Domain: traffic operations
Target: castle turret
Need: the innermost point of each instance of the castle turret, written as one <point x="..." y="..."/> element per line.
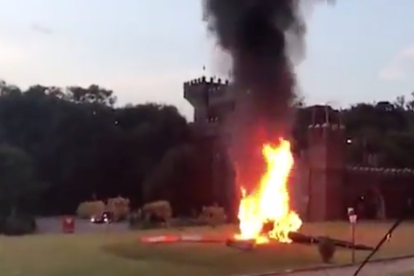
<point x="326" y="161"/>
<point x="207" y="95"/>
<point x="212" y="102"/>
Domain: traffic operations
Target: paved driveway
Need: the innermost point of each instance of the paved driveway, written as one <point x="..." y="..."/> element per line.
<point x="54" y="225"/>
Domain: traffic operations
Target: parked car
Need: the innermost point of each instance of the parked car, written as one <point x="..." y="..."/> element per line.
<point x="105" y="217"/>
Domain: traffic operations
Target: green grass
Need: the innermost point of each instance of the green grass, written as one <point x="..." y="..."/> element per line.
<point x="119" y="254"/>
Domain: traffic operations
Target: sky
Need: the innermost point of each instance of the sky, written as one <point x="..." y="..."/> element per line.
<point x="145" y="49"/>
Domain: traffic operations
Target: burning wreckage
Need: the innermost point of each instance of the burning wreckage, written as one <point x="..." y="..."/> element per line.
<point x="263" y="38"/>
<point x="264" y="215"/>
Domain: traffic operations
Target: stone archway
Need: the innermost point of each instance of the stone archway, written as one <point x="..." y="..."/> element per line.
<point x="362" y="208"/>
<point x="370" y="204"/>
<point x="379" y="200"/>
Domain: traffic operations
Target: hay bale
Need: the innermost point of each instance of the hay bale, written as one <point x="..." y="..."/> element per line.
<point x="119" y="207"/>
<point x="213" y="215"/>
<point x="159" y="209"/>
<point x="88" y="209"/>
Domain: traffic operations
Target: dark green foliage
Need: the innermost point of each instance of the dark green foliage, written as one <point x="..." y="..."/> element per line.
<point x="326" y="248"/>
<point x="17" y="178"/>
<point x="79" y="144"/>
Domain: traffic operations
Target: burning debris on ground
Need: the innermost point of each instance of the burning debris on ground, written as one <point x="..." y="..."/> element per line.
<point x="245" y="245"/>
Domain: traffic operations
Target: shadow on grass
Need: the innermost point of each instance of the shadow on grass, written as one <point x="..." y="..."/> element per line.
<point x="271" y="257"/>
<point x="122" y="250"/>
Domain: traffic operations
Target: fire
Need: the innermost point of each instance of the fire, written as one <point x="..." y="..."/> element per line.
<point x="269" y="203"/>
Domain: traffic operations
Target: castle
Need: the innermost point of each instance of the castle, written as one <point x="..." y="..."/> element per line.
<point x="323" y="184"/>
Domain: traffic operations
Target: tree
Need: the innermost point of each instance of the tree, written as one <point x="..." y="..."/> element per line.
<point x="175" y="166"/>
<point x="93" y="94"/>
<point x="82" y="145"/>
<point x="17" y="180"/>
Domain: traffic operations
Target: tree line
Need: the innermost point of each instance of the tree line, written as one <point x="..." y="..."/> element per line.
<point x="61" y="146"/>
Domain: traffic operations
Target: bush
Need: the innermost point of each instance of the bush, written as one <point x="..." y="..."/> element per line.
<point x="18" y="225"/>
<point x="326" y="248"/>
<point x="88" y="209"/>
<point x="157" y="211"/>
<point x="213" y="215"/>
<point x="119" y="207"/>
<point x="137" y="220"/>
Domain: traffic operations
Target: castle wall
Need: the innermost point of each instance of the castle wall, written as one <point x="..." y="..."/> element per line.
<point x="396" y="186"/>
<point x="321" y="185"/>
<point x="316" y="196"/>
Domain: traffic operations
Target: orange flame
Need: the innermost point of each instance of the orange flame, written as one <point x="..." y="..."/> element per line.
<point x="270" y="201"/>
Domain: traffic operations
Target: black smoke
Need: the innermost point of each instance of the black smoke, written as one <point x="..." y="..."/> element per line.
<point x="261" y="36"/>
<point x="254" y="33"/>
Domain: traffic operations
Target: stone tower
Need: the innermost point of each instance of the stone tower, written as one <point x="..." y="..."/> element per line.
<point x="209" y="97"/>
<point x="326" y="162"/>
<point x="213" y="102"/>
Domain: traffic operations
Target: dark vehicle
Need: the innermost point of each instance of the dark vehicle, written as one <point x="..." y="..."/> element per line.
<point x="106" y="217"/>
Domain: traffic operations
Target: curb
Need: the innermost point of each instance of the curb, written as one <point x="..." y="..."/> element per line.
<point x="324" y="267"/>
<point x="182" y="238"/>
<point x="174" y="238"/>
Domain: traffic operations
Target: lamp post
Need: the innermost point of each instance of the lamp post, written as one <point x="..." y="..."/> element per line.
<point x="352" y="220"/>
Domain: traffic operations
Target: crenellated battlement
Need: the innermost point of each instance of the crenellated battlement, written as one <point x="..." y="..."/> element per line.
<point x="206" y="93"/>
<point x="324" y="116"/>
<point x="213" y="81"/>
<point x="327" y="126"/>
<point x="381" y="170"/>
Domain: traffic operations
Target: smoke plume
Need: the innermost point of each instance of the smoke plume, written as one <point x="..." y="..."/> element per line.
<point x="256" y="34"/>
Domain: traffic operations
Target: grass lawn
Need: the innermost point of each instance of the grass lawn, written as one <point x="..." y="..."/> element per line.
<point x="120" y="254"/>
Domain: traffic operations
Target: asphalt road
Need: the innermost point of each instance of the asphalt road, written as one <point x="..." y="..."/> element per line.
<point x="53" y="225"/>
